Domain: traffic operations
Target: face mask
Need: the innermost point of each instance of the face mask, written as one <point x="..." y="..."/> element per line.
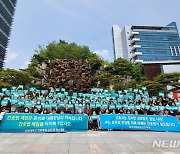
<point x="26" y="110"/>
<point x="38" y="102"/>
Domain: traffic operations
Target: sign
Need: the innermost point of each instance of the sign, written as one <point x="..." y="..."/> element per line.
<point x="161" y="94"/>
<point x="139" y="122"/>
<point x="37" y="123"/>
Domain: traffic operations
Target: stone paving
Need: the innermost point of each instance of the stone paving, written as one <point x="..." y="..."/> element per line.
<point x="105" y="142"/>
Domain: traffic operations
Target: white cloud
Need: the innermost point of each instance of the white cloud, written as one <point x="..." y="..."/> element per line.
<point x="102" y="53"/>
<point x="10" y="56"/>
<point x="25" y="65"/>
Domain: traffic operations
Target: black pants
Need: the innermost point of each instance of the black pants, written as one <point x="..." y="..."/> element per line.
<point x="95" y="124"/>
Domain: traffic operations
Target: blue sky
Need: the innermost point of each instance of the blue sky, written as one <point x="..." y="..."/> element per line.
<point x="85" y="22"/>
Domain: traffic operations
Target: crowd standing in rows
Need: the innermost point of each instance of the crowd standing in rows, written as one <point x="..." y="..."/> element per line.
<point x="98" y="101"/>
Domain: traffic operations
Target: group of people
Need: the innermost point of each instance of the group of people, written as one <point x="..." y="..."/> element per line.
<point x="98" y="101"/>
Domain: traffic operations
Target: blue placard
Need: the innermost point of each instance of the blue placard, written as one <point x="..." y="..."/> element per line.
<point x="143" y="88"/>
<point x="38" y="107"/>
<point x="161" y="94"/>
<point x="57" y="89"/>
<point x="139" y="122"/>
<point x="98" y="105"/>
<point x="70" y="105"/>
<point x="153" y="108"/>
<point x="135" y="90"/>
<point x="154" y="98"/>
<point x="14" y="100"/>
<point x="20" y="103"/>
<point x="20" y="87"/>
<point x="46" y="106"/>
<point x="4" y="102"/>
<point x="111" y="106"/>
<point x="13" y="88"/>
<point x="32" y="89"/>
<point x="43" y="91"/>
<point x="62" y="104"/>
<point x="138" y="97"/>
<point x="177" y="103"/>
<point x="4" y="89"/>
<point x="170" y="96"/>
<point x="147" y="107"/>
<point x="28" y="104"/>
<point x="13" y="123"/>
<point x="104" y="106"/>
<point x="125" y="106"/>
<point x="93" y="105"/>
<point x="94" y="117"/>
<point x="125" y="91"/>
<point x="119" y="92"/>
<point x="131" y="107"/>
<point x="118" y="106"/>
<point x="53" y="105"/>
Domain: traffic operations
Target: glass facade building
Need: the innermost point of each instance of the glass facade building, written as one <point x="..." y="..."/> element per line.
<point x="151" y="44"/>
<point x="7" y="8"/>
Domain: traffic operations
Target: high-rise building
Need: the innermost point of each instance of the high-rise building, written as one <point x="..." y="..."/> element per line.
<point x="117" y="41"/>
<point x="7" y="8"/>
<point x="152" y="46"/>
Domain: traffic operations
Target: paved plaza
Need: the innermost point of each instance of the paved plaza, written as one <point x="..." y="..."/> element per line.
<point x="110" y="142"/>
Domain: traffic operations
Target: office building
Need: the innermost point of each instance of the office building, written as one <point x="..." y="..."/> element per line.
<point x="7" y="8"/>
<point x="152" y="46"/>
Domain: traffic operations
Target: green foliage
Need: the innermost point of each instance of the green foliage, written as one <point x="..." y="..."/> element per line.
<point x="122" y="67"/>
<point x="137" y="73"/>
<point x="32" y="70"/>
<point x="95" y="62"/>
<point x="171" y="79"/>
<point x="64" y="50"/>
<point x="124" y="85"/>
<point x="121" y="73"/>
<point x="161" y="82"/>
<point x="104" y="79"/>
<point x="12" y="77"/>
<point x="153" y="87"/>
<point x="5" y="84"/>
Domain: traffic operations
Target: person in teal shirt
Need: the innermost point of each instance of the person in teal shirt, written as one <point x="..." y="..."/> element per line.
<point x="94" y="118"/>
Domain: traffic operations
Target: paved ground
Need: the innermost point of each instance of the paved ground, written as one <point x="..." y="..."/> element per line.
<point x="88" y="142"/>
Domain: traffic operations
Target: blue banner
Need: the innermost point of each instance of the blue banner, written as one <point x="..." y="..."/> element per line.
<point x="44" y="123"/>
<point x="139" y="122"/>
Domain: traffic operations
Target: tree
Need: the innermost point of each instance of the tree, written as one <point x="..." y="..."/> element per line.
<point x="104" y="79"/>
<point x="154" y="87"/>
<point x="169" y="79"/>
<point x="123" y="67"/>
<point x="12" y="77"/>
<point x="161" y="82"/>
<point x="120" y="74"/>
<point x="62" y="50"/>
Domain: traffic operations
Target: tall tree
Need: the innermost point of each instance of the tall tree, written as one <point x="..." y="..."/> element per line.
<point x="12" y="77"/>
<point x="120" y="74"/>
